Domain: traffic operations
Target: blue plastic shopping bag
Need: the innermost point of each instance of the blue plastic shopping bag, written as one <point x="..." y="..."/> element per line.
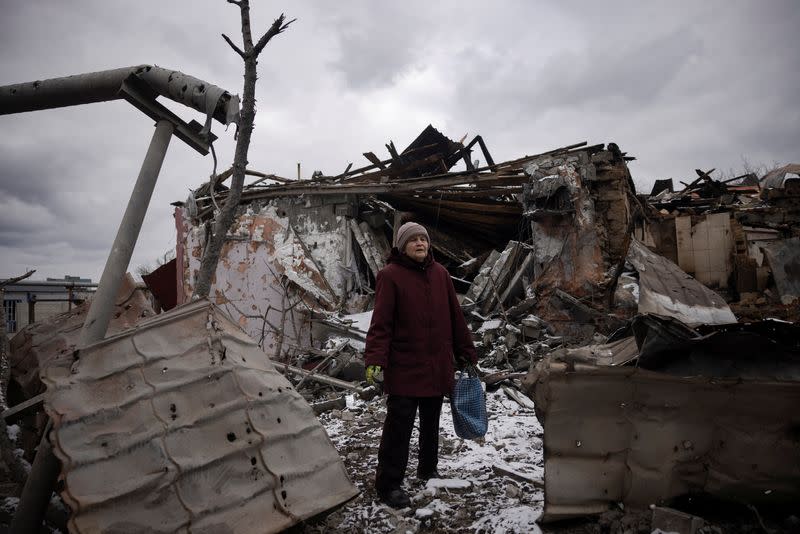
<point x="468" y="405"/>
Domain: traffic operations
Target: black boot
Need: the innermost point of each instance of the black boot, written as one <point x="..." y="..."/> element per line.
<point x="396" y="498"/>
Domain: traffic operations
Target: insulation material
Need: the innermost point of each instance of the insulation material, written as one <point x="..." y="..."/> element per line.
<point x="629" y="435"/>
<point x="183" y="425"/>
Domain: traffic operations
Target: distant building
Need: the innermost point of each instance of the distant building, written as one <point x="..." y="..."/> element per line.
<point x="29" y="301"/>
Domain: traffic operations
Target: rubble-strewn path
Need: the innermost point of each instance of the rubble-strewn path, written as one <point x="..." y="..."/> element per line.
<point x="474" y="496"/>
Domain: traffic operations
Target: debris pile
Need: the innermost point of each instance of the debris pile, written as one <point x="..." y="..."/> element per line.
<point x="634" y="326"/>
<point x="559" y="262"/>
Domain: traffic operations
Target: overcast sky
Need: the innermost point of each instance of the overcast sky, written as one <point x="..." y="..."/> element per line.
<point x="679" y="85"/>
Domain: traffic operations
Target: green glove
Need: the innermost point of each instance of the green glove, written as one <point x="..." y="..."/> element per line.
<point x="372" y="374"/>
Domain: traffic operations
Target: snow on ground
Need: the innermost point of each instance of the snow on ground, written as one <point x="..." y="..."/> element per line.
<point x="470" y="497"/>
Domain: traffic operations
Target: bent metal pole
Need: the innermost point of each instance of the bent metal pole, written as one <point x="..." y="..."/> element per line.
<point x="99" y="315"/>
<point x="44" y="472"/>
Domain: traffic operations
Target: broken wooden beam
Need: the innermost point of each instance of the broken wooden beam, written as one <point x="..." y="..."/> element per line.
<point x="504" y="470"/>
<point x="365" y="393"/>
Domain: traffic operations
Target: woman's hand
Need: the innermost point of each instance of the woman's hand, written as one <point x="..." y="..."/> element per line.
<point x="373" y="374"/>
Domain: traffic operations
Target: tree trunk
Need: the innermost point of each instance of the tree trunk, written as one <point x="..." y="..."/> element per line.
<point x="225" y="217"/>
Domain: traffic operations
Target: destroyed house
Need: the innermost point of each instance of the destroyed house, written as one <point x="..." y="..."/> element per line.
<point x="564" y="272"/>
<point x="301" y="250"/>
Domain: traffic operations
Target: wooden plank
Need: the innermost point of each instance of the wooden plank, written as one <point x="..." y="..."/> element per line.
<point x="366" y="248"/>
<point x="374" y="160"/>
<point x="32" y="404"/>
<point x="364" y="393"/>
<point x="498" y="277"/>
<point x="515" y="285"/>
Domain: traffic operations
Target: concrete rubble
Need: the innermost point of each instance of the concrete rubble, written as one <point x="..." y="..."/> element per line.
<point x="654" y="336"/>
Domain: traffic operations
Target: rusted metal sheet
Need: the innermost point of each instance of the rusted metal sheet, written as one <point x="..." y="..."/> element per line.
<point x="626" y="434"/>
<point x="664" y="289"/>
<point x="183" y="425"/>
<point x="162" y="283"/>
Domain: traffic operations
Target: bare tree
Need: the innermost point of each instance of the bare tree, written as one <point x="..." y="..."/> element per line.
<point x="224" y="218"/>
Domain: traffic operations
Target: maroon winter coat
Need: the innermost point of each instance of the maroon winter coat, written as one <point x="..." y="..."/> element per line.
<point x="417" y="327"/>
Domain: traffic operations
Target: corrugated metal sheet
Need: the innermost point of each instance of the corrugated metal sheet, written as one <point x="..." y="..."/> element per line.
<point x="625" y="434"/>
<point x="664" y="289"/>
<point x="183" y="425"/>
<point x="51" y="342"/>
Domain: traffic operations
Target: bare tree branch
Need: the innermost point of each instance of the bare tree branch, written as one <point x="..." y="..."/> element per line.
<point x="225" y="217"/>
<point x="233" y="45"/>
<point x="277" y="27"/>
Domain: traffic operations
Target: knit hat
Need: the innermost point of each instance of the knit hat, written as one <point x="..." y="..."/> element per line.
<point x="406" y="232"/>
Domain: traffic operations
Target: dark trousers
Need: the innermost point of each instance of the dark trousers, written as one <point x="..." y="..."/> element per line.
<point x="393" y="452"/>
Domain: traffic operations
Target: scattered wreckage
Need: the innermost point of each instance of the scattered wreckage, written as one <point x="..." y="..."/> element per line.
<point x="617" y="312"/>
<point x="552" y="253"/>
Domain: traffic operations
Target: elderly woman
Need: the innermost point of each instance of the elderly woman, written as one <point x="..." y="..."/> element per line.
<point x="416" y="334"/>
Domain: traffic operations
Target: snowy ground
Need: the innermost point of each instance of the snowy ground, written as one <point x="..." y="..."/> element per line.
<point x="473" y="496"/>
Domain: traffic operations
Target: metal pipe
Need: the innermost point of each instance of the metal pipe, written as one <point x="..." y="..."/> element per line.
<point x="44" y="472"/>
<point x="105" y="85"/>
<point x="38" y="487"/>
<point x="99" y="315"/>
<point x="52" y="283"/>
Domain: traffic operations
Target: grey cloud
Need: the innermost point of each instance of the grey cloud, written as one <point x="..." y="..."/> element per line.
<point x="378" y="42"/>
<point x="679" y="85"/>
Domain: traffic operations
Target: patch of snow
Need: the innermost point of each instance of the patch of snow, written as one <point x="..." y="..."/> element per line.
<point x="422" y="513"/>
<point x="360" y="320"/>
<point x="633" y="287"/>
<point x="13" y="432"/>
<point x="492" y="324"/>
<point x="513" y="441"/>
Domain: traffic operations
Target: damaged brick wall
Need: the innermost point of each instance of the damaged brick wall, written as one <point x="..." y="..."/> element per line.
<point x="580" y="214"/>
<point x="281" y="259"/>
